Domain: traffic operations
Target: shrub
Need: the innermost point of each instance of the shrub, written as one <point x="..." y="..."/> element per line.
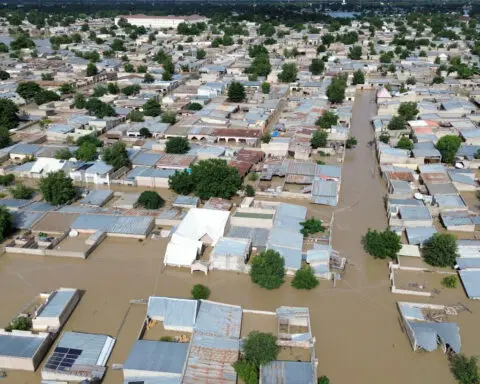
<point x="247" y="371"/>
<point x="351" y="142"/>
<point x="268" y="269"/>
<point x="382" y="244"/>
<point x="150" y="200"/>
<point x="7" y="179"/>
<point x="450" y="281"/>
<point x="20" y="323"/>
<point x="177" y="145"/>
<point x="305" y="278"/>
<point x="465" y="369"/>
<point x="249" y="191"/>
<point x="311" y="226"/>
<point x="21" y="191"/>
<point x="323" y="380"/>
<point x="200" y="292"/>
<point x="168" y="339"/>
<point x="448" y="146"/>
<point x="252" y="176"/>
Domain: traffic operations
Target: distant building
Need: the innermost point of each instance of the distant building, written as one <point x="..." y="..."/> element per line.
<point x="160" y="21"/>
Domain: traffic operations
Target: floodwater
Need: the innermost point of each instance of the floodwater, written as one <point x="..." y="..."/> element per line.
<point x="356" y="323"/>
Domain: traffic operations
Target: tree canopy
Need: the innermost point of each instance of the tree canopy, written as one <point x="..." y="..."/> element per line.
<point x="260" y="348"/>
<point x="441" y="250"/>
<point x="327" y="120"/>
<point x="152" y="108"/>
<point x="311" y="226"/>
<point x="319" y="139"/>
<point x="268" y="269"/>
<point x="57" y="188"/>
<point x="200" y="292"/>
<point x="317" y="67"/>
<point x="86" y="152"/>
<point x="448" y="146"/>
<point x="358" y="77"/>
<point x="116" y="155"/>
<point x="382" y="244"/>
<point x="5" y="140"/>
<point x="289" y="73"/>
<point x="28" y="90"/>
<point x="98" y="108"/>
<point x="182" y="182"/>
<point x="405" y="143"/>
<point x="336" y="89"/>
<point x="465" y="369"/>
<point x="21" y="191"/>
<point x="397" y="123"/>
<point x="8" y="114"/>
<point x="236" y="92"/>
<point x="150" y="200"/>
<point x="178" y="145"/>
<point x="305" y="279"/>
<point x="5" y="223"/>
<point x="408" y="110"/>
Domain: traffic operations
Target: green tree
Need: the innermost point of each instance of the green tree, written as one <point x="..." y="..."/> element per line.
<point x="5" y="140"/>
<point x="177" y="145"/>
<point x="181" y="182"/>
<point x="411" y="80"/>
<point x="20" y="323"/>
<point x="66" y="88"/>
<point x="145" y="132"/>
<point x="87" y="152"/>
<point x="7" y="179"/>
<point x="131" y="90"/>
<point x="268" y="269"/>
<point x="21" y="191"/>
<point x="448" y="146"/>
<point x="465" y="369"/>
<point x="100" y="90"/>
<point x="151" y="108"/>
<point x="88" y="139"/>
<point x="311" y="226"/>
<point x="266" y="87"/>
<point x="45" y="96"/>
<point x="194" y="106"/>
<point x="57" y="188"/>
<point x="129" y="68"/>
<point x="450" y="281"/>
<point x="236" y="92"/>
<point x="336" y="89"/>
<point x="117" y="45"/>
<point x="249" y="190"/>
<point x="438" y="80"/>
<point x="405" y="143"/>
<point x="150" y="200"/>
<point x="358" y="77"/>
<point x="142" y="69"/>
<point x="28" y="90"/>
<point x="247" y="371"/>
<point x="289" y="73"/>
<point x="92" y="70"/>
<point x="214" y="178"/>
<point x="148" y="78"/>
<point x="200" y="292"/>
<point x="46" y="77"/>
<point x="355" y="52"/>
<point x="201" y="54"/>
<point x="408" y="110"/>
<point x="382" y="244"/>
<point x="3" y="48"/>
<point x="319" y="139"/>
<point x="135" y="116"/>
<point x="116" y="156"/>
<point x="305" y="278"/>
<point x="397" y="123"/>
<point x="63" y="154"/>
<point x="327" y="120"/>
<point x="8" y="114"/>
<point x="441" y="250"/>
<point x="323" y="380"/>
<point x="351" y="142"/>
<point x="169" y="117"/>
<point x="98" y="108"/>
<point x="317" y="67"/>
<point x="260" y="348"/>
<point x="5" y="223"/>
<point x="79" y="101"/>
<point x="113" y="88"/>
<point x="266" y="137"/>
<point x="4" y="75"/>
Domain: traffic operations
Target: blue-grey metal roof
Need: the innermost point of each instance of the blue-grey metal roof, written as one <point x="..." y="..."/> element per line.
<point x="228" y="246"/>
<point x="427" y="334"/>
<point x="290" y="216"/>
<point x="291" y="372"/>
<point x="90" y="344"/>
<point x="57" y="303"/>
<point x="411" y="312"/>
<point x="289" y="244"/>
<point x="25" y="219"/>
<point x="19" y="346"/>
<point x="471" y="282"/>
<point x="419" y="235"/>
<point x="462" y="177"/>
<point x="415" y="213"/>
<point x="453" y="219"/>
<point x="61" y="128"/>
<point x="468" y="262"/>
<point x="40" y="206"/>
<point x="79" y="209"/>
<point x="426" y="149"/>
<point x="432" y="168"/>
<point x="449" y="201"/>
<point x="221" y="320"/>
<point x="320" y="252"/>
<point x="146" y="159"/>
<point x="25" y="149"/>
<point x="129" y="225"/>
<point x="149" y="172"/>
<point x="157" y="356"/>
<point x="258" y="236"/>
<point x="97" y="197"/>
<point x="186" y="200"/>
<point x="99" y="168"/>
<point x="468" y="151"/>
<point x="15" y="203"/>
<point x="175" y="312"/>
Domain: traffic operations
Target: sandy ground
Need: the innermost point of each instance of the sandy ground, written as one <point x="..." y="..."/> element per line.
<point x="356" y="323"/>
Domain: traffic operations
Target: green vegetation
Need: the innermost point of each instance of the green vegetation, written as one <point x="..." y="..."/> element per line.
<point x="208" y="178"/>
<point x="268" y="269"/>
<point x="200" y="292"/>
<point x="397" y="123"/>
<point x="100" y="90"/>
<point x="351" y="142"/>
<point x="382" y="244"/>
<point x="358" y="77"/>
<point x="88" y="139"/>
<point x="131" y="90"/>
<point x="265" y="87"/>
<point x="113" y="88"/>
<point x="260" y="348"/>
<point x="327" y="120"/>
<point x="98" y="108"/>
<point x="249" y="190"/>
<point x="408" y="110"/>
<point x="319" y="139"/>
<point x="152" y="108"/>
<point x="323" y="380"/>
<point x="355" y="52"/>
<point x="21" y="323"/>
<point x="448" y="146"/>
<point x="201" y="54"/>
<point x="450" y="281"/>
<point x="135" y="116"/>
<point x="289" y="73"/>
<point x="317" y="67"/>
<point x="63" y="154"/>
<point x="57" y="188"/>
<point x="311" y="226"/>
<point x="247" y="371"/>
<point x="92" y="70"/>
<point x="305" y="279"/>
<point x="177" y="145"/>
<point x="441" y="250"/>
<point x="66" y="88"/>
<point x="28" y="90"/>
<point x="4" y="75"/>
<point x="405" y="143"/>
<point x="336" y="89"/>
<point x="465" y="369"/>
<point x="169" y="117"/>
<point x="194" y="106"/>
<point x="236" y="92"/>
<point x="266" y="137"/>
<point x="150" y="200"/>
<point x="5" y="223"/>
<point x="21" y="191"/>
<point x="8" y="114"/>
<point x="145" y="132"/>
<point x="87" y="152"/>
<point x="7" y="179"/>
<point x="45" y="96"/>
<point x="116" y="156"/>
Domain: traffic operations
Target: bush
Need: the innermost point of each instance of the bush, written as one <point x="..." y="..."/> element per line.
<point x="7" y="179"/>
<point x="116" y="156"/>
<point x="200" y="292"/>
<point x="323" y="380"/>
<point x="405" y="143"/>
<point x="87" y="152"/>
<point x="252" y="176"/>
<point x="319" y="139"/>
<point x="268" y="269"/>
<point x="441" y="250"/>
<point x="351" y="142"/>
<point x="465" y="369"/>
<point x="397" y="123"/>
<point x="21" y="323"/>
<point x="247" y="371"/>
<point x="450" y="281"/>
<point x="150" y="200"/>
<point x="177" y="145"/>
<point x="382" y="244"/>
<point x="384" y="138"/>
<point x="57" y="188"/>
<point x="169" y="117"/>
<point x="260" y="348"/>
<point x="194" y="106"/>
<point x="63" y="154"/>
<point x="408" y="110"/>
<point x="327" y="120"/>
<point x="168" y="339"/>
<point x="305" y="278"/>
<point x="21" y="191"/>
<point x="145" y="132"/>
<point x="266" y="137"/>
<point x="249" y="191"/>
<point x="311" y="226"/>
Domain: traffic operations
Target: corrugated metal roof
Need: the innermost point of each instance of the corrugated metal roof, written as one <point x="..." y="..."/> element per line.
<point x="15" y="203"/>
<point x="471" y="282"/>
<point x="289" y="216"/>
<point x="449" y="201"/>
<point x="157" y="356"/>
<point x="468" y="262"/>
<point x="291" y="372"/>
<point x="25" y="219"/>
<point x="19" y="346"/>
<point x="97" y="197"/>
<point x="90" y="344"/>
<point x="411" y="312"/>
<point x="186" y="200"/>
<point x="146" y="159"/>
<point x="419" y="235"/>
<point x="57" y="303"/>
<point x="415" y="213"/>
<point x="258" y="236"/>
<point x="173" y="312"/>
<point x="132" y="225"/>
<point x="221" y="320"/>
<point x="99" y="168"/>
<point x="231" y="247"/>
<point x="427" y="334"/>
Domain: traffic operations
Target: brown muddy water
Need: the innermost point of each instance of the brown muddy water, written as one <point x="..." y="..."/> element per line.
<point x="356" y="323"/>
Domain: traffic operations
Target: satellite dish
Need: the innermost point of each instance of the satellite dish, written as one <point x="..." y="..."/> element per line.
<point x="73" y="233"/>
<point x="418" y="196"/>
<point x="459" y="165"/>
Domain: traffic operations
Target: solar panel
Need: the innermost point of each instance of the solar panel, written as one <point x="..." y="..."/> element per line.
<point x="63" y="358"/>
<point x="61" y="350"/>
<point x="74" y="351"/>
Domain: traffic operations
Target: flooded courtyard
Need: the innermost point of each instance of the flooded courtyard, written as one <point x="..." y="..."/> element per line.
<point x="356" y="323"/>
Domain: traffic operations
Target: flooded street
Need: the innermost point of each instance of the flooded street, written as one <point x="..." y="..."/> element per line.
<point x="356" y="323"/>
